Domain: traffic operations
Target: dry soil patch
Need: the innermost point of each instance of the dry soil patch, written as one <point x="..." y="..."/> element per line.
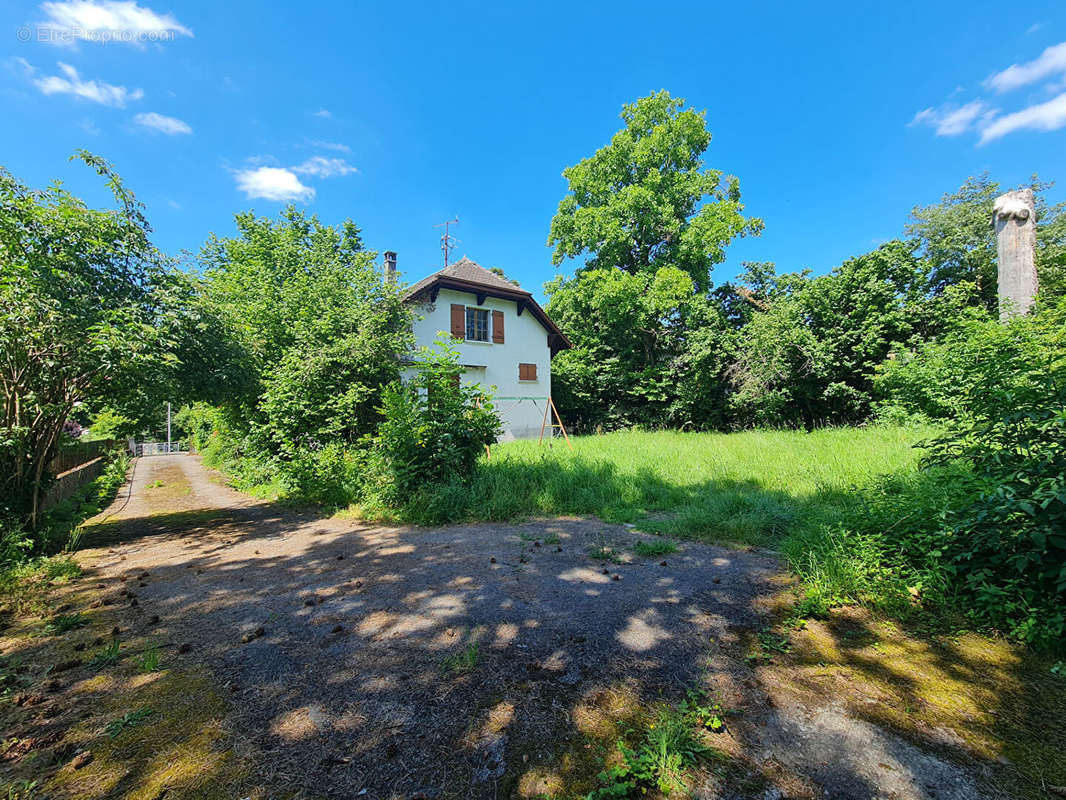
<point x="472" y="661"/>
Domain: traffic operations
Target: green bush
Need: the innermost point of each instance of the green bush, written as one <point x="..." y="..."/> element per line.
<point x="1006" y="549"/>
<point x="15" y="542"/>
<point x="329" y="474"/>
<point x="982" y="529"/>
<point x="885" y="550"/>
<point x="198" y="422"/>
<point x="243" y="457"/>
<point x="433" y="433"/>
<point x="316" y="334"/>
<point x="59" y="525"/>
<point x="110" y="424"/>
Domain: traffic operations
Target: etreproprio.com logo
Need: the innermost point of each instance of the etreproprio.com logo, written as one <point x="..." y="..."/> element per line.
<point x="56" y="35"/>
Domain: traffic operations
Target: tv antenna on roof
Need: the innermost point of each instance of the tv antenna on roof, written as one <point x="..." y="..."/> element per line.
<point x="447" y="241"/>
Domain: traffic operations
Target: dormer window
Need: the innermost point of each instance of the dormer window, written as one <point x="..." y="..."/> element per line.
<point x="477" y="324"/>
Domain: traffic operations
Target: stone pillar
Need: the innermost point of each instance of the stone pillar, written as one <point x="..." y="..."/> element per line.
<point x="390" y="267"/>
<point x="1014" y="215"/>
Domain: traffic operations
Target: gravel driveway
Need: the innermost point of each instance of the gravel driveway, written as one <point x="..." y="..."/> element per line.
<point x="466" y="661"/>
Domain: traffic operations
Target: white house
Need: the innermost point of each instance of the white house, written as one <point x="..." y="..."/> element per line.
<point x="505" y="340"/>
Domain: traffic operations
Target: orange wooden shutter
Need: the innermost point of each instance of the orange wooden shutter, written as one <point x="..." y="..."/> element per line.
<point x="527" y="372"/>
<point x="497" y="327"/>
<point x="458" y="321"/>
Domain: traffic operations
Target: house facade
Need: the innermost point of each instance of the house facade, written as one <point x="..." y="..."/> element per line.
<point x="505" y="339"/>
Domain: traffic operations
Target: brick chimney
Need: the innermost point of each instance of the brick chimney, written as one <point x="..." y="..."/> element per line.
<point x="390" y="267"/>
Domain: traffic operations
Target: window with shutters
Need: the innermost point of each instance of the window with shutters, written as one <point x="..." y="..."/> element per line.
<point x="527" y="372"/>
<point x="477" y="324"/>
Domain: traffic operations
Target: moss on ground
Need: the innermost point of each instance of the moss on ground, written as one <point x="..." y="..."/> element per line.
<point x="179" y="749"/>
<point x="599" y="719"/>
<point x="606" y="717"/>
<point x="970" y="696"/>
<point x="150" y="734"/>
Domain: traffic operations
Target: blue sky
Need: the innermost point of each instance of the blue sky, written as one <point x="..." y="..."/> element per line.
<point x="837" y="117"/>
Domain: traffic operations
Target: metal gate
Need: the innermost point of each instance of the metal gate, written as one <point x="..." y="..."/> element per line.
<point x="159" y="448"/>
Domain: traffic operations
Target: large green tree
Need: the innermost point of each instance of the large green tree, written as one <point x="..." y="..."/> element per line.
<point x="647" y="349"/>
<point x="78" y="319"/>
<point x="810" y="358"/>
<point x="647" y="200"/>
<point x="319" y="331"/>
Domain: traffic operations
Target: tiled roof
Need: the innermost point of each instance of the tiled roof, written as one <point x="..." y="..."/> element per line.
<point x="468" y="276"/>
<point x="466" y="270"/>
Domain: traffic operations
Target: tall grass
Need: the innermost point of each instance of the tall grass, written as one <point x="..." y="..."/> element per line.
<point x="750" y="488"/>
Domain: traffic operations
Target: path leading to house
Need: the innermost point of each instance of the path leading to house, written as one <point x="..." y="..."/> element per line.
<point x="477" y="661"/>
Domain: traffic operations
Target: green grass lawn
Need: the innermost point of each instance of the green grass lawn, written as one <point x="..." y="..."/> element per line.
<point x="747" y="488"/>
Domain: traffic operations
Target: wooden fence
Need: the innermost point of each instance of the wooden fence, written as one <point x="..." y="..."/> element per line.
<point x="81" y="453"/>
<point x="74" y="467"/>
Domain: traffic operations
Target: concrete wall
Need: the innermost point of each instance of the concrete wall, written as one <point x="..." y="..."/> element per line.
<point x="520" y="403"/>
<point x="70" y="481"/>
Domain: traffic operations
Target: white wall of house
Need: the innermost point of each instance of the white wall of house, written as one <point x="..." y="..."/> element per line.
<point x="520" y="403"/>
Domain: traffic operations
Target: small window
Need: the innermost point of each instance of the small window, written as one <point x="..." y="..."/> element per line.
<point x="477" y="324"/>
<point x="527" y="372"/>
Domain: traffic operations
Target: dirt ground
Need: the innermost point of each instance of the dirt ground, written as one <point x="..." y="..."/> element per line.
<point x="336" y="659"/>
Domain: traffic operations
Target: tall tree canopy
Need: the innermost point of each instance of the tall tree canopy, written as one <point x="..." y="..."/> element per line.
<point x="320" y="330"/>
<point x="78" y="319"/>
<point x="811" y="356"/>
<point x="955" y="237"/>
<point x="646" y="200"/>
<point x="647" y="349"/>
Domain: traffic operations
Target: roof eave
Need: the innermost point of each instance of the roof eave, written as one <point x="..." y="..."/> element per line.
<point x="556" y="338"/>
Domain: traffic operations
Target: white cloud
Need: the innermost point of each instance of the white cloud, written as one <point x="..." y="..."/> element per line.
<point x="340" y="148"/>
<point x="168" y="125"/>
<point x="273" y="183"/>
<point x="323" y="113"/>
<point x="96" y="91"/>
<point x="25" y="66"/>
<point x="262" y="161"/>
<point x="1034" y="27"/>
<point x="89" y="127"/>
<point x="107" y="21"/>
<point x="321" y="167"/>
<point x="1051" y="62"/>
<point x="951" y="120"/>
<point x="1049" y="116"/>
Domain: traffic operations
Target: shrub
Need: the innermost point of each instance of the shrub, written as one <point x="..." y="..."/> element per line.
<point x="15" y="542"/>
<point x="59" y="525"/>
<point x="328" y="474"/>
<point x="932" y="380"/>
<point x="982" y="528"/>
<point x="1006" y="549"/>
<point x="198" y="421"/>
<point x="433" y="432"/>
<point x="110" y="424"/>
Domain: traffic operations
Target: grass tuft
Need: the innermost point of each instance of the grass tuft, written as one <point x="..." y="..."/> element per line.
<point x="654" y="547"/>
<point x="130" y="719"/>
<point x="107" y="656"/>
<point x="462" y="662"/>
<point x="65" y="622"/>
<point x="150" y="660"/>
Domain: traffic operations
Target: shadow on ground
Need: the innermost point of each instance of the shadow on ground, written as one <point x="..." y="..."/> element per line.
<point x="327" y="658"/>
